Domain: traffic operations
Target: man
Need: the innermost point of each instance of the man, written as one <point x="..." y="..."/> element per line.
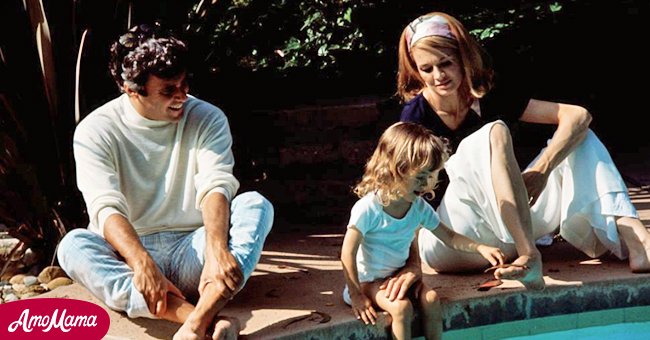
<point x="155" y="169"/>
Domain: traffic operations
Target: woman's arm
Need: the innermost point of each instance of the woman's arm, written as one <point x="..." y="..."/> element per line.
<point x="572" y="126"/>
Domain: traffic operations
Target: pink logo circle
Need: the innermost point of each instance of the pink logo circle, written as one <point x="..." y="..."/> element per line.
<point x="52" y="318"/>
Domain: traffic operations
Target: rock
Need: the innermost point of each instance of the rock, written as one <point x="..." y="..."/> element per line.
<point x="19" y="288"/>
<point x="50" y="273"/>
<point x="35" y="289"/>
<point x="30" y="280"/>
<point x="17" y="279"/>
<point x="1" y="301"/>
<point x="29" y="294"/>
<point x="11" y="297"/>
<point x="58" y="282"/>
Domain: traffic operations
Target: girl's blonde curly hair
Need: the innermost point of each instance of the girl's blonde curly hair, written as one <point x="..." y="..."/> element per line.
<point x="404" y="150"/>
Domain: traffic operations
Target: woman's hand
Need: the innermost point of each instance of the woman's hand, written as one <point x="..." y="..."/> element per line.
<point x="494" y="255"/>
<point x="362" y="308"/>
<point x="535" y="182"/>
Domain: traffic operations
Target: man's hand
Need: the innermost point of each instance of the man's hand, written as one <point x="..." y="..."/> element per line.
<point x="397" y="286"/>
<point x="154" y="286"/>
<point x="222" y="269"/>
<point x="535" y="182"/>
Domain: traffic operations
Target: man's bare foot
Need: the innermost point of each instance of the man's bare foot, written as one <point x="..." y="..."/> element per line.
<point x="187" y="332"/>
<point x="226" y="328"/>
<point x="525" y="269"/>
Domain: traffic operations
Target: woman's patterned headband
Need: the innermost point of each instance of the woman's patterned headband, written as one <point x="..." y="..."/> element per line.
<point x="435" y="25"/>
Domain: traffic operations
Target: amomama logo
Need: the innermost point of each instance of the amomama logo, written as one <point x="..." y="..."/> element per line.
<point x="52" y="318"/>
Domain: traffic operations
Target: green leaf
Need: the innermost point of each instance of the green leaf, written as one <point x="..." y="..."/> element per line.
<point x="293" y="44"/>
<point x="555" y="7"/>
<point x="322" y="51"/>
<point x="348" y="15"/>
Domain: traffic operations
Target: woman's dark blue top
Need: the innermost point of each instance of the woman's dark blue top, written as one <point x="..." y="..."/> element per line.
<point x="505" y="103"/>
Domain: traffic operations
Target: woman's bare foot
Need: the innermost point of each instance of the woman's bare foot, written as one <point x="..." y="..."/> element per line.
<point x="525" y="269"/>
<point x="637" y="239"/>
<point x="640" y="259"/>
<point x="226" y="328"/>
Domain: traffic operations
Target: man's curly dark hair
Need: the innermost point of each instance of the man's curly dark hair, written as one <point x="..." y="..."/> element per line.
<point x="146" y="50"/>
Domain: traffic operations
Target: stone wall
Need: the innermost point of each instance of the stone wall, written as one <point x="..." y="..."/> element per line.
<point x="306" y="159"/>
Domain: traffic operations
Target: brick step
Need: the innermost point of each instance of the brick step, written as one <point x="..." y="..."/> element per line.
<point x="307" y="159"/>
<point x="354" y="113"/>
<point x="303" y="122"/>
<point x="309" y="201"/>
<point x="348" y="151"/>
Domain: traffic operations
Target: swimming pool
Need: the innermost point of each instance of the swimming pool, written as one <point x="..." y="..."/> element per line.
<point x="619" y="331"/>
<point x="619" y="323"/>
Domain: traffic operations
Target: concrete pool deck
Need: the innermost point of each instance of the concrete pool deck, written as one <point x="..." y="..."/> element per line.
<point x="295" y="292"/>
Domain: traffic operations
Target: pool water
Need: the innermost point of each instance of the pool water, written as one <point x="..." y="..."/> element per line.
<point x="619" y="331"/>
<point x="618" y="323"/>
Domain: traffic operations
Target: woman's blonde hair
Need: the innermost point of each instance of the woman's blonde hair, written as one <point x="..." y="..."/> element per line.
<point x="404" y="150"/>
<point x="477" y="71"/>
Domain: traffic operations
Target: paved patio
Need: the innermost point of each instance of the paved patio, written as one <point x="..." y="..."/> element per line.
<point x="296" y="290"/>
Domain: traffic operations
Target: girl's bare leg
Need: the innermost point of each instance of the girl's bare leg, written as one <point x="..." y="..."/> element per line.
<point x="512" y="198"/>
<point x="637" y="239"/>
<point x="432" y="312"/>
<point x="401" y="311"/>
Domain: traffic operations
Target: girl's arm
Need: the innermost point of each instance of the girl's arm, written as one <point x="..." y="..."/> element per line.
<point x="463" y="243"/>
<point x="572" y="125"/>
<point x="361" y="304"/>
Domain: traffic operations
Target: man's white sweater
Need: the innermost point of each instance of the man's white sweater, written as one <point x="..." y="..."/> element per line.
<point x="154" y="173"/>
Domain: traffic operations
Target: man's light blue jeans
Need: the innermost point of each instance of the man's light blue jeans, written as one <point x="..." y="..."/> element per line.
<point x="89" y="260"/>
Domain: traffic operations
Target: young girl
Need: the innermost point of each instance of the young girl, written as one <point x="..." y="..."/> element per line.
<point x="383" y="225"/>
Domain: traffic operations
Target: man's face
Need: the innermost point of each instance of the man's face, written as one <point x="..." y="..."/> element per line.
<point x="164" y="100"/>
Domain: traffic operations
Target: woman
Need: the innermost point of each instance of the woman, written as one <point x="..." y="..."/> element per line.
<point x="448" y="86"/>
